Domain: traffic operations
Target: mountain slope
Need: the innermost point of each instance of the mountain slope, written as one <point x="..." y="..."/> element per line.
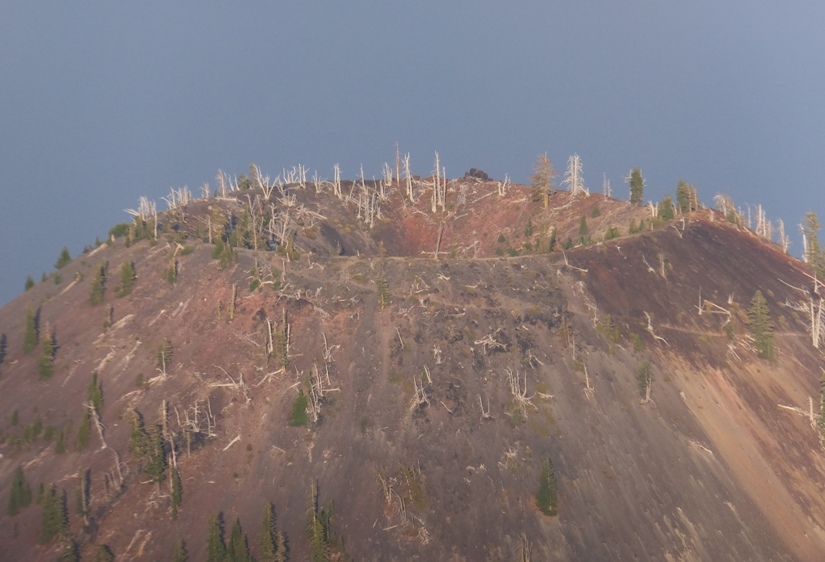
<point x="450" y="382"/>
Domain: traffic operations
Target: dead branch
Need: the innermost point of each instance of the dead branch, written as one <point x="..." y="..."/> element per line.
<point x="485" y="414"/>
<point x="238" y="438"/>
<point x="652" y="333"/>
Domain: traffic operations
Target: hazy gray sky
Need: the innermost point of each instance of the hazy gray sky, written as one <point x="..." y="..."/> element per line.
<point x="102" y="102"/>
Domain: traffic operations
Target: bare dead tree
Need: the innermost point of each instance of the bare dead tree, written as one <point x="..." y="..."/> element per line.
<point x="588" y="388"/>
<point x="503" y="187"/>
<point x="811" y="304"/>
<point x="485" y="414"/>
<point x="784" y="240"/>
<point x="489" y="343"/>
<point x="573" y="176"/>
<point x="420" y="399"/>
<point x="519" y="391"/>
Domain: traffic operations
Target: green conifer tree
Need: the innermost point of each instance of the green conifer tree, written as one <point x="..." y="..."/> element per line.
<point x="547" y="494"/>
<point x="64" y="259"/>
<point x="156" y="456"/>
<point x="3" y="346"/>
<point x="94" y="393"/>
<point x="98" y="288"/>
<point x="54" y="520"/>
<point x="45" y="366"/>
<point x="127" y="278"/>
<point x="821" y="417"/>
<point x="164" y="355"/>
<point x="215" y="547"/>
<point x="21" y="493"/>
<point x="84" y="431"/>
<point x="637" y="186"/>
<point x="666" y="212"/>
<point x="815" y="255"/>
<point x="31" y="335"/>
<point x="760" y="326"/>
<point x="686" y="197"/>
<point x="180" y="552"/>
<point x="273" y="543"/>
<point x="138" y="438"/>
<point x="238" y="548"/>
<point x="104" y="554"/>
<point x="177" y="492"/>
<point x="29" y="282"/>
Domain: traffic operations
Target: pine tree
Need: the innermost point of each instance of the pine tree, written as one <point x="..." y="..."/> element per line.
<point x="637" y="186"/>
<point x="821" y="418"/>
<point x="238" y="548"/>
<point x="64" y="259"/>
<point x="644" y="378"/>
<point x="584" y="231"/>
<point x="84" y="432"/>
<point x="94" y="393"/>
<point x="3" y="346"/>
<point x="54" y="520"/>
<point x="177" y="492"/>
<point x="104" y="554"/>
<point x="686" y="199"/>
<point x="542" y="180"/>
<point x="814" y="255"/>
<point x="29" y="282"/>
<point x="21" y="493"/>
<point x="760" y="325"/>
<point x="45" y="366"/>
<point x="138" y="438"/>
<point x="98" y="288"/>
<point x="164" y="355"/>
<point x="69" y="551"/>
<point x="180" y="552"/>
<point x="318" y="529"/>
<point x="299" y="411"/>
<point x="273" y="543"/>
<point x="215" y="547"/>
<point x="666" y="212"/>
<point x="156" y="456"/>
<point x="31" y="335"/>
<point x="127" y="278"/>
<point x="547" y="494"/>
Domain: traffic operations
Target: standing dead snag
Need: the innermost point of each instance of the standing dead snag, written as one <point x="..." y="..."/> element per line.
<point x="319" y="385"/>
<point x="519" y="391"/>
<point x="485" y="414"/>
<point x="420" y="399"/>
